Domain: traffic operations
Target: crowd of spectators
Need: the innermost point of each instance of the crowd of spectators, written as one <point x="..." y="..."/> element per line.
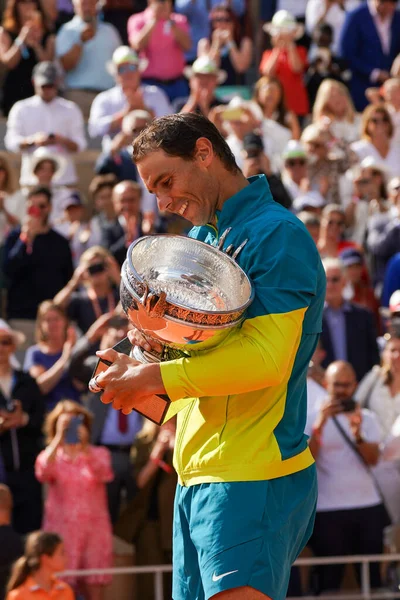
<point x="305" y="92"/>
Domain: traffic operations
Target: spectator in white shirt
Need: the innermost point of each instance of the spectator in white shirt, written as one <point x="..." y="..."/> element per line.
<point x="46" y="120"/>
<point x="110" y="107"/>
<point x="344" y="440"/>
<point x="376" y="139"/>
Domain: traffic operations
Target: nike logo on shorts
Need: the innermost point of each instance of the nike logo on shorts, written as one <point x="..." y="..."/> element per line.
<point x="218" y="577"/>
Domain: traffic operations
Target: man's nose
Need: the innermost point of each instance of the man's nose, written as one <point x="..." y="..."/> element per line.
<point x="164" y="202"/>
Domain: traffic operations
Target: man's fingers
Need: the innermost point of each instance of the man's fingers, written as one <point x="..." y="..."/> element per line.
<point x="137" y="339"/>
<point x="109" y="354"/>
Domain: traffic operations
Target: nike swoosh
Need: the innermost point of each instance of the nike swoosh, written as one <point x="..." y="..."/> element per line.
<point x="218" y="577"/>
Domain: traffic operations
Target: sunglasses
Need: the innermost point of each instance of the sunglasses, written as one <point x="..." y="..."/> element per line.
<point x="6" y="342"/>
<point x="334" y="222"/>
<point x="377" y="121"/>
<point x="335" y="279"/>
<point x="128" y="68"/>
<point x="96" y="268"/>
<point x="296" y="162"/>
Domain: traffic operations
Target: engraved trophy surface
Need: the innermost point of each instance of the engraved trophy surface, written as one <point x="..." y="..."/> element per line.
<point x="183" y="293"/>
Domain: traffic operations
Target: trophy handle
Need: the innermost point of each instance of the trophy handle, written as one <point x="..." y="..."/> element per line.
<point x="230" y="249"/>
<point x="155" y="305"/>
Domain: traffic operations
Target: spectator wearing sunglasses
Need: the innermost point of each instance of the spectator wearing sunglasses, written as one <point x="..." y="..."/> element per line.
<point x="331" y="240"/>
<point x="47" y="120"/>
<point x="348" y="330"/>
<point x="93" y="288"/>
<point x="227" y="45"/>
<point x="294" y="176"/>
<point x="37" y="262"/>
<point x="376" y="139"/>
<point x="110" y="107"/>
<point x="198" y="15"/>
<point x="370" y="41"/>
<point x="21" y="421"/>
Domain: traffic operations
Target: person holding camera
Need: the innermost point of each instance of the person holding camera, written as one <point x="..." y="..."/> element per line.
<point x="115" y="431"/>
<point x="93" y="289"/>
<point x="344" y="440"/>
<point x="46" y="120"/>
<point x="37" y="263"/>
<point x="256" y="162"/>
<point x="21" y="420"/>
<point x="76" y="504"/>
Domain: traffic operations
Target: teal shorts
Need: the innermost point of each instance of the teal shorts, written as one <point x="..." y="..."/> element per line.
<point x="229" y="535"/>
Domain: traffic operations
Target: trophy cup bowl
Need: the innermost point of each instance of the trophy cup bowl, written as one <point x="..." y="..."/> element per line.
<point x="183" y="293"/>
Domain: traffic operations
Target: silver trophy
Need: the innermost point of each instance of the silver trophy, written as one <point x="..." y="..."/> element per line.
<point x="184" y="294"/>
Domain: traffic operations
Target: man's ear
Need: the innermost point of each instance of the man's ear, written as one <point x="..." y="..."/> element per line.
<point x="204" y="152"/>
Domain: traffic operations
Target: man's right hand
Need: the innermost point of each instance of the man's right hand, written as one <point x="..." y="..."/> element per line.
<point x="88" y="33"/>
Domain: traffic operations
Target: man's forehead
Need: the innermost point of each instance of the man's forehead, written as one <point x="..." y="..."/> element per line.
<point x="157" y="165"/>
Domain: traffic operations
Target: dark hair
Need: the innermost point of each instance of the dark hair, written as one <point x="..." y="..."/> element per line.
<point x="40" y="190"/>
<point x="37" y="544"/>
<point x="237" y="30"/>
<point x="100" y="182"/>
<point x="177" y="135"/>
<point x="324" y="28"/>
<point x="281" y="108"/>
<point x="11" y="21"/>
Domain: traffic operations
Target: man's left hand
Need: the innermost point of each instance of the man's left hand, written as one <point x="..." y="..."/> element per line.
<point x="124" y="382"/>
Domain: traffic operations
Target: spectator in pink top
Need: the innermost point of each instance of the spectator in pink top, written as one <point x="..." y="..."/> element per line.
<point x="162" y="37"/>
<point x="76" y="504"/>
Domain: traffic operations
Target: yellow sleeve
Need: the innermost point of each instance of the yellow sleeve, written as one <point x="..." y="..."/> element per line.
<point x="256" y="356"/>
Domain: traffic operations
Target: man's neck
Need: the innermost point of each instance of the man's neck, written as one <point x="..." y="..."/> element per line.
<point x="232" y="184"/>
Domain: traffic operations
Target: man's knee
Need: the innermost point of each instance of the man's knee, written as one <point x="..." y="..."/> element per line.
<point x="242" y="593"/>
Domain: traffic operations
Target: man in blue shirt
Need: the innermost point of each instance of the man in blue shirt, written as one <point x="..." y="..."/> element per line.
<point x="84" y="46"/>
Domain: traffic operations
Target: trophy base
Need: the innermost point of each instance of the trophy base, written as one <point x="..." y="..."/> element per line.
<point x="145" y="357"/>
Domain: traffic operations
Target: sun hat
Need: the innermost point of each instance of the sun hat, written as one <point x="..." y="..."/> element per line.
<point x="294" y="149"/>
<point x="284" y="22"/>
<point x="204" y="65"/>
<point x="43" y="153"/>
<point x="125" y="55"/>
<point x="18" y="337"/>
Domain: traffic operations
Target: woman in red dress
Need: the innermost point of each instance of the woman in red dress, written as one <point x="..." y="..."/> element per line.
<point x="286" y="61"/>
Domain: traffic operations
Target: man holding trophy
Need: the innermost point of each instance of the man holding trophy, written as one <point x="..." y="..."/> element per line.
<point x="245" y="501"/>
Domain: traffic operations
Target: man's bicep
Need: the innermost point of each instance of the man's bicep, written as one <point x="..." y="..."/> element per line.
<point x="258" y="355"/>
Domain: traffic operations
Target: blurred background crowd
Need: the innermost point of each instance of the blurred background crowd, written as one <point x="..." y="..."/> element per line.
<point x="306" y="92"/>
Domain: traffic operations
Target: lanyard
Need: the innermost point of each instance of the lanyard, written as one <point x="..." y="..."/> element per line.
<point x="96" y="304"/>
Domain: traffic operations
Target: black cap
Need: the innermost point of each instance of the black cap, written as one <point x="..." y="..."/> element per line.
<point x="45" y="73"/>
<point x="253" y="141"/>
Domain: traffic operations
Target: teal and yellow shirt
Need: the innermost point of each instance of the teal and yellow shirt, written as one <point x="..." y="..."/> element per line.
<point x="247" y="415"/>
